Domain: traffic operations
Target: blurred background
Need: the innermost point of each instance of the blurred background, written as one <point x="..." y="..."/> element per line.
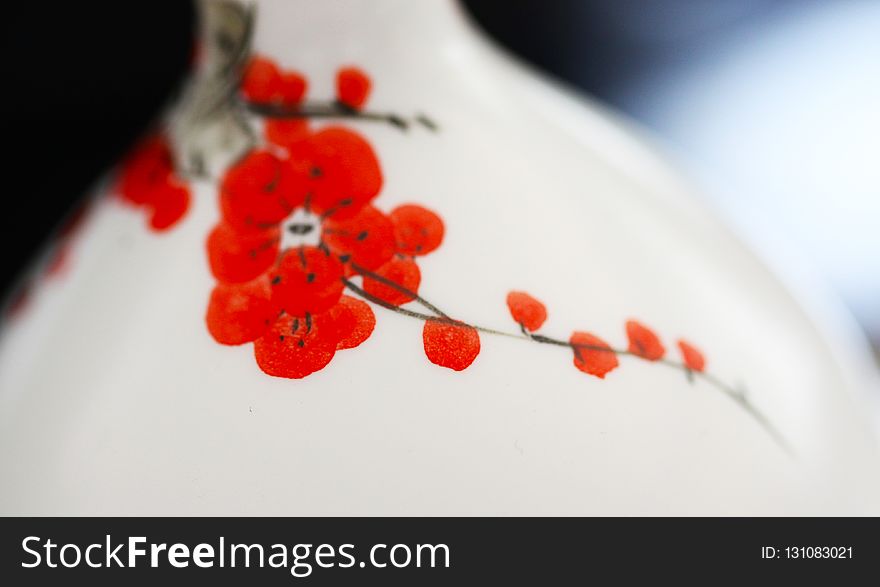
<point x="771" y="106"/>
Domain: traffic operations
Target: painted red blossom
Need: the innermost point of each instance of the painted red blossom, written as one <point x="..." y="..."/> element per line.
<point x="454" y="345"/>
<point x="643" y="342"/>
<point x="297" y="223"/>
<point x="384" y="283"/>
<point x="148" y="180"/>
<point x="526" y="310"/>
<point x="693" y="358"/>
<point x="417" y="231"/>
<point x="592" y="354"/>
<point x="281" y="251"/>
<point x="352" y="87"/>
<point x="263" y="81"/>
<point x="285" y="132"/>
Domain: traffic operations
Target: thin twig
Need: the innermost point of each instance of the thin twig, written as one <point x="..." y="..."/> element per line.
<point x="400" y="288"/>
<point x="380" y="302"/>
<point x="334" y="109"/>
<point x="737" y="396"/>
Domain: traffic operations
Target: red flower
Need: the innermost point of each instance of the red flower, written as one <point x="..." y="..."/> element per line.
<point x="592" y="354"/>
<point x="354" y="322"/>
<point x="338" y="171"/>
<point x="365" y="240"/>
<point x="291" y="88"/>
<point x="147" y="179"/>
<point x="285" y="345"/>
<point x="241" y="312"/>
<point x="169" y="204"/>
<point x="285" y="132"/>
<point x="293" y="226"/>
<point x="450" y="344"/>
<point x="418" y="231"/>
<point x="237" y="256"/>
<point x="400" y="272"/>
<point x="352" y="87"/>
<point x="264" y="82"/>
<point x="693" y="358"/>
<point x="526" y="310"/>
<point x="260" y="80"/>
<point x="643" y="342"/>
<point x="297" y="222"/>
<point x="295" y="347"/>
<point x="306" y="280"/>
<point x="258" y="192"/>
<point x="262" y="193"/>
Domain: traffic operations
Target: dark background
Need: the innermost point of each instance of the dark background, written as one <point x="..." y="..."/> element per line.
<point x="83" y="79"/>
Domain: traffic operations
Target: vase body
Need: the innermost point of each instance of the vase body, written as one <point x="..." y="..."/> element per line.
<point x="117" y="398"/>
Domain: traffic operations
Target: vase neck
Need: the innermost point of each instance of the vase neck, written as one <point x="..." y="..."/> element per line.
<point x="309" y="33"/>
<point x="403" y="43"/>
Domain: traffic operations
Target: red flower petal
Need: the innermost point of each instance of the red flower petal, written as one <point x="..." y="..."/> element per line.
<point x="258" y="191"/>
<point x="291" y="88"/>
<point x="262" y="80"/>
<point x="526" y="310"/>
<point x="295" y="347"/>
<point x="592" y="354"/>
<point x="306" y="281"/>
<point x="60" y="256"/>
<point x="354" y="322"/>
<point x="241" y="256"/>
<point x="241" y="312"/>
<point x="285" y="132"/>
<point x="417" y="230"/>
<point x="693" y="358"/>
<point x="169" y="203"/>
<point x="454" y="346"/>
<point x="352" y="87"/>
<point x="147" y="179"/>
<point x="145" y="169"/>
<point x="338" y="170"/>
<point x="366" y="240"/>
<point x="402" y="272"/>
<point x="643" y="342"/>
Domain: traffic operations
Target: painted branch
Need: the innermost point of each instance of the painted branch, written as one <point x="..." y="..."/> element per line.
<point x="737" y="396"/>
<point x="335" y="109"/>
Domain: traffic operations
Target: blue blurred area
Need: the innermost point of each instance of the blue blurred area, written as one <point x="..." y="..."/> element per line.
<point x="772" y="107"/>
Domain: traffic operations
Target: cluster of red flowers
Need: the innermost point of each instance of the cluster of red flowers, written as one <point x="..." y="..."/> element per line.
<point x="148" y="180"/>
<point x="297" y="220"/>
<point x="592" y="354"/>
<point x="297" y="226"/>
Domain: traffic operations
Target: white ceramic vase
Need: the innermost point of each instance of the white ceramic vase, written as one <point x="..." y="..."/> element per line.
<point x="232" y="327"/>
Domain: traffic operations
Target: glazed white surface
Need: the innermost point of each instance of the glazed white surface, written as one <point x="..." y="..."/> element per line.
<point x="114" y="398"/>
